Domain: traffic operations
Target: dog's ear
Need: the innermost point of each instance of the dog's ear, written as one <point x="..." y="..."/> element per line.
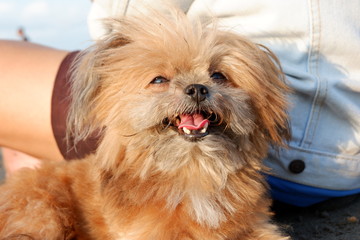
<point x="86" y="81"/>
<point x="257" y="70"/>
<point x="272" y="112"/>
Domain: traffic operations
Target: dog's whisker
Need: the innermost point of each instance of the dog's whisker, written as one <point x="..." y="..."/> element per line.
<point x="168" y="125"/>
<point x="130" y="135"/>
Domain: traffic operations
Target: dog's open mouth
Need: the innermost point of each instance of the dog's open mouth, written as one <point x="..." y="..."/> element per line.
<point x="193" y="126"/>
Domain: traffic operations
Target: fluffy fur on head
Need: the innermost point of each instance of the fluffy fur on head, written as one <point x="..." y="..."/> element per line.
<point x="186" y="115"/>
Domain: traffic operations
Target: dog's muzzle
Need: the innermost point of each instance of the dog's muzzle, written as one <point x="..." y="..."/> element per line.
<point x="196" y="121"/>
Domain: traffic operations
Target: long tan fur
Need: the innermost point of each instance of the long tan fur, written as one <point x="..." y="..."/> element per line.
<point x="146" y="181"/>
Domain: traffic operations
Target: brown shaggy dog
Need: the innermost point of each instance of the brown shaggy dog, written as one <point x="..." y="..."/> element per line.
<point x="187" y="114"/>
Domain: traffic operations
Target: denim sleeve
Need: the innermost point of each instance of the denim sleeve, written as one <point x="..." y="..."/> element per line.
<point x="325" y="112"/>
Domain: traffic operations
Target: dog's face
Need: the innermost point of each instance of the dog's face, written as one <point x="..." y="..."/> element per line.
<point x="187" y="114"/>
<point x="167" y="90"/>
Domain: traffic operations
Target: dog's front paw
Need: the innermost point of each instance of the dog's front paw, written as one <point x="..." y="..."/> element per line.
<point x="29" y="211"/>
<point x="24" y="219"/>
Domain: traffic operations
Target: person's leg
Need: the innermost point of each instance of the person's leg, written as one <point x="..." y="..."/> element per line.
<point x="27" y="74"/>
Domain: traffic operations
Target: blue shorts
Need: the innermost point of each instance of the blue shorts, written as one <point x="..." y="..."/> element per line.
<point x="302" y="195"/>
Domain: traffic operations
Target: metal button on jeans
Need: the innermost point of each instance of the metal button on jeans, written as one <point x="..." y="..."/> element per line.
<point x="297" y="166"/>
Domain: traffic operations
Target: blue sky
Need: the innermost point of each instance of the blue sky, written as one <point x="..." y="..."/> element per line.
<point x="55" y="23"/>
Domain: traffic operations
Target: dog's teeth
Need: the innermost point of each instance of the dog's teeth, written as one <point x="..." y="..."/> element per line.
<point x="187" y="131"/>
<point x="204" y="129"/>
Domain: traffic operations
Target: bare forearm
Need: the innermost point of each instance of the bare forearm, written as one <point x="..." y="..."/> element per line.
<point x="27" y="74"/>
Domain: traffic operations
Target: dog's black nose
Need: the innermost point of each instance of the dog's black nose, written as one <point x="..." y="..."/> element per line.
<point x="197" y="92"/>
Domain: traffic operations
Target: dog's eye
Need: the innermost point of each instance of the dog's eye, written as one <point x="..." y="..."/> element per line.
<point x="218" y="77"/>
<point x="159" y="80"/>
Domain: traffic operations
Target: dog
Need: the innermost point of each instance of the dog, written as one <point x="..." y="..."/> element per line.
<point x="186" y="114"/>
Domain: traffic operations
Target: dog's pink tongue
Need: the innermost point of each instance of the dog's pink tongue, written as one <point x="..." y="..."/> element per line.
<point x="192" y="122"/>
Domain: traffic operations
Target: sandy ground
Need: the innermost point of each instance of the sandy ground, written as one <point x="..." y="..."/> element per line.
<point x="317" y="223"/>
<point x="321" y="222"/>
